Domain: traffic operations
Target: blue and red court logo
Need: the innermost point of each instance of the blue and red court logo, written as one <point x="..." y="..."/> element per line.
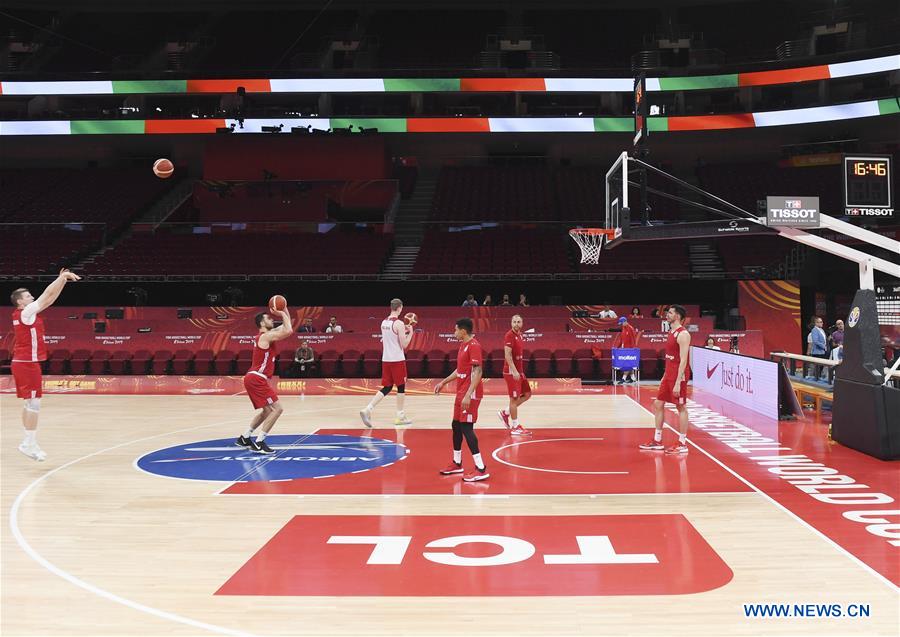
<point x="296" y="456"/>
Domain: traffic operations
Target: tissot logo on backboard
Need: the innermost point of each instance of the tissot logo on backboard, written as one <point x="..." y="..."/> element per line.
<point x="482" y="555"/>
<point x="794" y="212"/>
<point x="296" y="456"/>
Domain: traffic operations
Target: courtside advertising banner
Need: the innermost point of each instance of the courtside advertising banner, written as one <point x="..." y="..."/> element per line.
<point x="744" y="380"/>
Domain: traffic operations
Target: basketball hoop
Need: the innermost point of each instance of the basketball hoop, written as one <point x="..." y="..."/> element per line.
<point x="591" y="241"/>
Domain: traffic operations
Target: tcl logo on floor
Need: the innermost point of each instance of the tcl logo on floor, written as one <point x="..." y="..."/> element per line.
<point x="482" y="556"/>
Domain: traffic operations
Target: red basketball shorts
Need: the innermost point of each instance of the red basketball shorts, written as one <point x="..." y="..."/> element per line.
<point x="393" y="373"/>
<point x="28" y="379"/>
<point x="514" y="388"/>
<point x="667" y="391"/>
<point x="465" y="415"/>
<point x="259" y="390"/>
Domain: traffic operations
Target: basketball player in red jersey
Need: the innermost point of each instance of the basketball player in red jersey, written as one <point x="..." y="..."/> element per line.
<point x="514" y="374"/>
<point x="256" y="381"/>
<point x="395" y="338"/>
<point x="468" y="396"/>
<point x="29" y="350"/>
<point x="673" y="387"/>
<point x="628" y="339"/>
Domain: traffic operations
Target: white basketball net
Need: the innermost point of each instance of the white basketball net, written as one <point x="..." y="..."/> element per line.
<point x="590" y="241"/>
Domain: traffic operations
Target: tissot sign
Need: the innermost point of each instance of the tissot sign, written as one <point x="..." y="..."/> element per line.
<point x="793" y="212"/>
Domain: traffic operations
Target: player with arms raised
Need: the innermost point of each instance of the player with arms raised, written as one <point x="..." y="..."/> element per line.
<point x="673" y="386"/>
<point x="514" y="374"/>
<point x="395" y="338"/>
<point x="29" y="350"/>
<point x="256" y="381"/>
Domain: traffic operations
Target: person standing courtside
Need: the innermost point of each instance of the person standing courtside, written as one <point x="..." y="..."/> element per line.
<point x="395" y="338"/>
<point x="673" y="386"/>
<point x="468" y="373"/>
<point x="517" y="386"/>
<point x="29" y="350"/>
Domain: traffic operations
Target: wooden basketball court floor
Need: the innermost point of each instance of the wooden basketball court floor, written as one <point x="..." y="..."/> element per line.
<point x="621" y="541"/>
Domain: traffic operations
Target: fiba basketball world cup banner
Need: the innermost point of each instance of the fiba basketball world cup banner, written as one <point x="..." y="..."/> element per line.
<point x="747" y="381"/>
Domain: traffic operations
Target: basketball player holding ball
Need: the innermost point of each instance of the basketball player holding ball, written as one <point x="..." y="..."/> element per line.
<point x="396" y="334"/>
<point x="262" y="366"/>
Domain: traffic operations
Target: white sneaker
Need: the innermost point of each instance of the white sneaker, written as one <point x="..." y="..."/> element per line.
<point x="366" y="416"/>
<point x="402" y="420"/>
<point x="33" y="451"/>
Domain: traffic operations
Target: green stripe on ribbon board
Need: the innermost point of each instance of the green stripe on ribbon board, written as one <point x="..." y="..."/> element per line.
<point x="423" y="85"/>
<point x="149" y="86"/>
<point x="698" y="82"/>
<point x="121" y="127"/>
<point x="889" y="106"/>
<point x="384" y="125"/>
<point x="613" y="124"/>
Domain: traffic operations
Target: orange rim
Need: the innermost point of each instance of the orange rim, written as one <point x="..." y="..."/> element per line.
<point x="593" y="231"/>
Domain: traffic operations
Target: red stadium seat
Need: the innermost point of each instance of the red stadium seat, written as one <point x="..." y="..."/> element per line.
<point x="78" y="363"/>
<point x="162" y="358"/>
<point x="100" y="361"/>
<point x="604" y="363"/>
<point x="562" y="363"/>
<point x="140" y="362"/>
<point x="371" y="366"/>
<point x="541" y="359"/>
<point x="415" y="363"/>
<point x="224" y="362"/>
<point x="649" y="364"/>
<point x="119" y="362"/>
<point x="351" y="363"/>
<point x="436" y="364"/>
<point x="181" y="362"/>
<point x="328" y="363"/>
<point x="203" y="362"/>
<point x="58" y="361"/>
<point x="585" y="364"/>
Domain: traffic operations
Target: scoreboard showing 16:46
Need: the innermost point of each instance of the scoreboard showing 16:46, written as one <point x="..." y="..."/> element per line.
<point x="868" y="182"/>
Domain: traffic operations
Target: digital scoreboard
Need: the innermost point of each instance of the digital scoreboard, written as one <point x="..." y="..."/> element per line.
<point x="868" y="185"/>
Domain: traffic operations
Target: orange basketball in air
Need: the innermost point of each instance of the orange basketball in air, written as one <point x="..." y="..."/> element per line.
<point x="163" y="168"/>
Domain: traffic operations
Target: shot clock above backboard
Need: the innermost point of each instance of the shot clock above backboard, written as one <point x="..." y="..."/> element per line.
<point x="868" y="186"/>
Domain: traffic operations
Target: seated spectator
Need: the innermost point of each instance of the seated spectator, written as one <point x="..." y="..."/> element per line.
<point x="636" y="313"/>
<point x="304" y="360"/>
<point x="307" y="326"/>
<point x="470" y="301"/>
<point x="523" y="302"/>
<point x="711" y="343"/>
<point x="488" y="301"/>
<point x="607" y="313"/>
<point x="505" y="302"/>
<point x="654" y="313"/>
<point x="333" y="327"/>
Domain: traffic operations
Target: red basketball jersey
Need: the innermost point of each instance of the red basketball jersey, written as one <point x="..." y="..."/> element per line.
<point x="516" y="343"/>
<point x="673" y="355"/>
<point x="263" y="361"/>
<point x="29" y="339"/>
<point x="468" y="356"/>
